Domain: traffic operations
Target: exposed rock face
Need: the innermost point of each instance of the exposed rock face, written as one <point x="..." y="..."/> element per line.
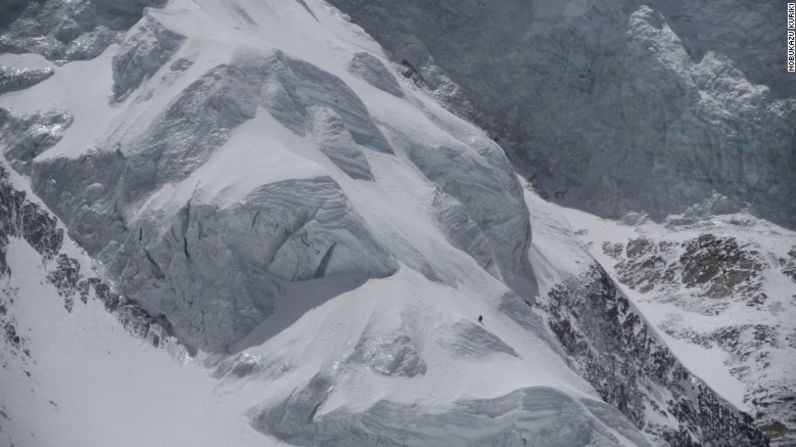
<point x="14" y="78"/>
<point x="544" y="416"/>
<point x="714" y="267"/>
<point x="753" y="350"/>
<point x="720" y="284"/>
<point x="27" y="136"/>
<point x="720" y="261"/>
<point x="21" y="218"/>
<point x="634" y="371"/>
<point x="613" y="106"/>
<point x="789" y="264"/>
<point x="67" y="30"/>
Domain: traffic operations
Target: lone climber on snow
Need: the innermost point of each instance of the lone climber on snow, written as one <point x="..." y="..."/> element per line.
<point x="481" y="319"/>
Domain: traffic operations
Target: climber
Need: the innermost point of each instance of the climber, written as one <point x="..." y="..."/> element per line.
<point x="481" y="319"/>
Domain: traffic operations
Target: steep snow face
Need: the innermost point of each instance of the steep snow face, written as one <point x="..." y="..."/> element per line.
<point x="613" y="106"/>
<point x="226" y="146"/>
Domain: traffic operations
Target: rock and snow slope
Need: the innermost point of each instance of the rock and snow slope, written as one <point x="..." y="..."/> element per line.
<point x="614" y="105"/>
<point x="722" y="290"/>
<point x="263" y="195"/>
<point x="79" y="367"/>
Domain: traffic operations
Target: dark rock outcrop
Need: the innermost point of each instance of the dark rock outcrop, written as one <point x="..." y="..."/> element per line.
<point x="21" y="218"/>
<point x="12" y="78"/>
<point x="616" y="351"/>
<point x="67" y="30"/>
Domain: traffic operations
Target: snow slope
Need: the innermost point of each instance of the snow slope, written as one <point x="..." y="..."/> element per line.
<point x="262" y="194"/>
<point x="87" y="381"/>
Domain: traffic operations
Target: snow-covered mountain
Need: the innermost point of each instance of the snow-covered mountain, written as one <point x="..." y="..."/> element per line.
<point x="243" y="222"/>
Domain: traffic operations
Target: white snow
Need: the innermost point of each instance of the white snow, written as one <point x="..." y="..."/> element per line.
<point x="260" y="151"/>
<point x="93" y="384"/>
